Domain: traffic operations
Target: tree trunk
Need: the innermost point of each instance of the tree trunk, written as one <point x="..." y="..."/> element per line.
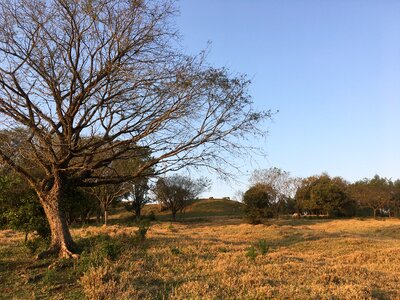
<point x="374" y="212"/>
<point x="174" y="215"/>
<point x="61" y="240"/>
<point x="138" y="210"/>
<point x="105" y="216"/>
<point x="98" y="215"/>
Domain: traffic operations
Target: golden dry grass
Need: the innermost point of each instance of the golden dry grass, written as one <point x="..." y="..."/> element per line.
<point x="218" y="259"/>
<point x="307" y="259"/>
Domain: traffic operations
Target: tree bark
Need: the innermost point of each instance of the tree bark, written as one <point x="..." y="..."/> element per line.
<point x="105" y="216"/>
<point x="174" y="215"/>
<point x="61" y="240"/>
<point x="138" y="210"/>
<point x="98" y="216"/>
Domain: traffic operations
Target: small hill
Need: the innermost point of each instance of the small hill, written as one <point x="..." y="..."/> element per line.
<point x="199" y="208"/>
<point x="215" y="207"/>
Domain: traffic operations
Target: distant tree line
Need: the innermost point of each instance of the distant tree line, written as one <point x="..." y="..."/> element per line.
<point x="274" y="192"/>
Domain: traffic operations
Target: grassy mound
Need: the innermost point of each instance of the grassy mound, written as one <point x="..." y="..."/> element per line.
<point x="214" y="207"/>
<point x="199" y="208"/>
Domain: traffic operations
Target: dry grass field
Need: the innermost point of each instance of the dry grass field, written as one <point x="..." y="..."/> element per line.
<point x="217" y="258"/>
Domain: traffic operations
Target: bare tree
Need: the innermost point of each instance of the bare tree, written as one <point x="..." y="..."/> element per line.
<point x="137" y="196"/>
<point x="280" y="180"/>
<point x="106" y="195"/>
<point x="83" y="78"/>
<point x="175" y="192"/>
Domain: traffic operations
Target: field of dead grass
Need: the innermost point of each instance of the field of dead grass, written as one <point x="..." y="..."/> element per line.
<point x="219" y="259"/>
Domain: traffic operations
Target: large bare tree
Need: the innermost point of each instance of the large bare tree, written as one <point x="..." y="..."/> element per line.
<point x="94" y="81"/>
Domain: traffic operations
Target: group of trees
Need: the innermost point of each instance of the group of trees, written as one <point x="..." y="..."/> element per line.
<point x="323" y="195"/>
<point x="274" y="192"/>
<point x="20" y="208"/>
<point x="271" y="193"/>
<point x="90" y="84"/>
<point x="379" y="195"/>
<point x="337" y="197"/>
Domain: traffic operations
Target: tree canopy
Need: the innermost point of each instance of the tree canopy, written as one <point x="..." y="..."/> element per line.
<point x="258" y="200"/>
<point x="375" y="193"/>
<point x="323" y="195"/>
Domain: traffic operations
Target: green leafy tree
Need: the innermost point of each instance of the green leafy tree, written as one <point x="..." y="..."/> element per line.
<point x="375" y="193"/>
<point x="20" y="208"/>
<point x="258" y="200"/>
<point x="394" y="204"/>
<point x="323" y="194"/>
<point x="137" y="189"/>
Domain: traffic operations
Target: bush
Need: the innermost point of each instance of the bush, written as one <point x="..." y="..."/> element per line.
<point x="144" y="226"/>
<point x="253" y="217"/>
<point x="24" y="213"/>
<point x="251" y="253"/>
<point x="262" y="247"/>
<point x="258" y="201"/>
<point x="98" y="250"/>
<point x="33" y="245"/>
<point x="175" y="251"/>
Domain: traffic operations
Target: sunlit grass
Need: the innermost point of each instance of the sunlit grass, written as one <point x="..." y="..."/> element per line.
<point x="302" y="259"/>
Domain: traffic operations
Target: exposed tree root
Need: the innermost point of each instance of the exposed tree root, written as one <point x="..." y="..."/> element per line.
<point x="61" y="251"/>
<point x="66" y="253"/>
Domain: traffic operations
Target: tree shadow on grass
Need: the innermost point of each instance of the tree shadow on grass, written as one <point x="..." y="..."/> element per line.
<point x="301" y="222"/>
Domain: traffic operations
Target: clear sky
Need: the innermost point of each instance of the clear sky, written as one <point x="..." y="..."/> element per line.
<point x="331" y="68"/>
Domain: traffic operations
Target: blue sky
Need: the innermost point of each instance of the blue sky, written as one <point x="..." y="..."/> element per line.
<point x="331" y="68"/>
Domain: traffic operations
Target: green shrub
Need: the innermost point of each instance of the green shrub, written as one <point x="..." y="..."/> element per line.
<point x="98" y="249"/>
<point x="251" y="253"/>
<point x="108" y="248"/>
<point x="34" y="244"/>
<point x="144" y="226"/>
<point x="262" y="247"/>
<point x="27" y="215"/>
<point x="175" y="251"/>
